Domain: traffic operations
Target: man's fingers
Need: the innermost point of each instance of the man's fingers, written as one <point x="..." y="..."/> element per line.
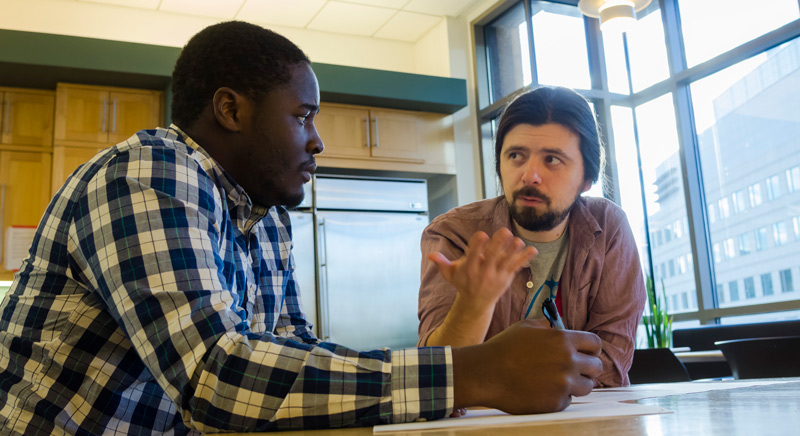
<point x="587" y="343"/>
<point x="444" y="265"/>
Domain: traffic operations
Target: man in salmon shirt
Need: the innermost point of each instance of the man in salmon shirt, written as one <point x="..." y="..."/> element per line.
<point x="581" y="249"/>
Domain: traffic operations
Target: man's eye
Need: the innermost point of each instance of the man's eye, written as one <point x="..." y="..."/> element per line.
<point x="513" y="155"/>
<point x="302" y="118"/>
<point x="553" y="160"/>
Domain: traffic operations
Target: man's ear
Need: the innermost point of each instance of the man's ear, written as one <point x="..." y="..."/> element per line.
<point x="228" y="108"/>
<point x="587" y="185"/>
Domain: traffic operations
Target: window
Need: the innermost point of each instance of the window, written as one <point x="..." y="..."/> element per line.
<point x="730" y="251"/>
<point x="766" y="284"/>
<point x="724" y="209"/>
<point x="754" y="191"/>
<point x="685" y="300"/>
<point x="773" y="187"/>
<point x="749" y="288"/>
<point x="779" y="233"/>
<point x="744" y="244"/>
<point x="701" y="18"/>
<point x="786" y="280"/>
<point x="671" y="264"/>
<point x="734" y="287"/>
<point x="681" y="265"/>
<point x="678" y="229"/>
<point x="761" y="239"/>
<point x="739" y="201"/>
<point x="717" y="256"/>
<point x="720" y="293"/>
<point x="793" y="179"/>
<point x="509" y="59"/>
<point x="796" y="227"/>
<point x="559" y="43"/>
<point x="667" y="234"/>
<point x="712" y="213"/>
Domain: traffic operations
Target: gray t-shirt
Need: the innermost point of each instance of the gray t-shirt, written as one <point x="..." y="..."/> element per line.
<point x="545" y="273"/>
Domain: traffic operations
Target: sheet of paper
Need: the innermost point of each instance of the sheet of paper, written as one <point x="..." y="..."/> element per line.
<point x="494" y="417"/>
<point x="638" y="392"/>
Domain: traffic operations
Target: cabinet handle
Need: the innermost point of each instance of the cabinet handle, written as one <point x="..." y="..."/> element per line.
<point x="114" y="117"/>
<point x="377" y="136"/>
<point x="7" y="122"/>
<point x="105" y="113"/>
<point x="366" y="137"/>
<point x="324" y="307"/>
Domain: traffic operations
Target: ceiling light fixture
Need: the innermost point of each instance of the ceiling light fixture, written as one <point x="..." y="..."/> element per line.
<point x="614" y="15"/>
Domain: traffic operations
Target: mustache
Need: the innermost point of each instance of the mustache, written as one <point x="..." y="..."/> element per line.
<point x="533" y="192"/>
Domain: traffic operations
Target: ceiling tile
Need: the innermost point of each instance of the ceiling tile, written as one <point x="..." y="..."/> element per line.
<point x="439" y="7"/>
<point x="225" y="9"/>
<point x="139" y="4"/>
<point x="350" y="18"/>
<point x="408" y="26"/>
<point x="295" y="13"/>
<point x="391" y="4"/>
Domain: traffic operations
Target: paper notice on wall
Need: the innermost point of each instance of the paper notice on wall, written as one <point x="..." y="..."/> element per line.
<point x="17" y="241"/>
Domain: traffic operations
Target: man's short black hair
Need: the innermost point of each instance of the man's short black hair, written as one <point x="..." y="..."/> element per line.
<point x="242" y="56"/>
<point x="554" y="104"/>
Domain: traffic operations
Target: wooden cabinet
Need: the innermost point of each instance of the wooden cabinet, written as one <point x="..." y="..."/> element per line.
<point x="385" y="139"/>
<point x="67" y="159"/>
<point x="24" y="192"/>
<point x="102" y="115"/>
<point x="26" y="117"/>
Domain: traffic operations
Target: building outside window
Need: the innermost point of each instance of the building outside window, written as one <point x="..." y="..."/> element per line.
<point x="734" y="288"/>
<point x="754" y="192"/>
<point x="749" y="288"/>
<point x="761" y="239"/>
<point x="793" y="179"/>
<point x="669" y="98"/>
<point x="786" y="280"/>
<point x="773" y="187"/>
<point x="745" y="247"/>
<point x="779" y="234"/>
<point x="766" y="284"/>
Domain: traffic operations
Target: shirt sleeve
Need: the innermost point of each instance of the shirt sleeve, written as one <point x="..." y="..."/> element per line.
<point x="436" y="295"/>
<point x="150" y="233"/>
<point x="617" y="307"/>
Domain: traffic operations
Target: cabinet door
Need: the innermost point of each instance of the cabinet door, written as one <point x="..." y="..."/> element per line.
<point x="395" y="135"/>
<point x="81" y="114"/>
<point x="27" y="119"/>
<point x="344" y="131"/>
<point x="25" y="180"/>
<point x="130" y="112"/>
<point x="66" y="160"/>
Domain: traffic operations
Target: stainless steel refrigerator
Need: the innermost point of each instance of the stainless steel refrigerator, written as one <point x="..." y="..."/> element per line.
<point x="367" y="234"/>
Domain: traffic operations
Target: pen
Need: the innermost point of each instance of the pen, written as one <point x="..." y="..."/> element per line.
<point x="551" y="313"/>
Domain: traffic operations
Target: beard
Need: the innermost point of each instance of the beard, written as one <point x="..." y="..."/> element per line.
<point x="532" y="220"/>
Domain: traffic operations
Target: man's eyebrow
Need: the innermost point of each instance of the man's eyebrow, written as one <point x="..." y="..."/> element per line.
<point x="312" y="107"/>
<point x="556" y="151"/>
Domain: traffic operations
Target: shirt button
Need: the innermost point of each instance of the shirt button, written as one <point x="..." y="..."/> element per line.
<point x="529" y="285"/>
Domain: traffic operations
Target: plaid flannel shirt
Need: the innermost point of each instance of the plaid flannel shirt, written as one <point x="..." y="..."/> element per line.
<point x="157" y="298"/>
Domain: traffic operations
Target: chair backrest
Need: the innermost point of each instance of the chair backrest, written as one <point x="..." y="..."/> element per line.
<point x="763" y="357"/>
<point x="656" y="365"/>
<point x="704" y="337"/>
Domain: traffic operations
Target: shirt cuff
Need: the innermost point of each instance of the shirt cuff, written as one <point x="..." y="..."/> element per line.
<point x="422" y="384"/>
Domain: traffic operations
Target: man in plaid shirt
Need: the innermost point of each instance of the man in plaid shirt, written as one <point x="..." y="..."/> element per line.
<point x="159" y="294"/>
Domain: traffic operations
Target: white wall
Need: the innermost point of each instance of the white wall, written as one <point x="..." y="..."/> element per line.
<point x="118" y="23"/>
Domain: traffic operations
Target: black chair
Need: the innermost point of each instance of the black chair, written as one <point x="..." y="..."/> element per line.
<point x="763" y="357"/>
<point x="656" y="365"/>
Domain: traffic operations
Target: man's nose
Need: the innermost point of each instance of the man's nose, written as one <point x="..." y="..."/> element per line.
<point x="531" y="176"/>
<point x="315" y="144"/>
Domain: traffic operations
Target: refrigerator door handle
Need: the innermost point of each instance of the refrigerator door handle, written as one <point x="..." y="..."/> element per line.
<point x="324" y="307"/>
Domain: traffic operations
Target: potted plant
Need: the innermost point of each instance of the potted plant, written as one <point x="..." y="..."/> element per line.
<point x="657" y="324"/>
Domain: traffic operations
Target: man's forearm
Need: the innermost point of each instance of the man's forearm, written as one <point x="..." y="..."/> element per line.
<point x="466" y="323"/>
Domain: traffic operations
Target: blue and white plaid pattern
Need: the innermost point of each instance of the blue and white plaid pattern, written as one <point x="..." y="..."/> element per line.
<point x="157" y="298"/>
